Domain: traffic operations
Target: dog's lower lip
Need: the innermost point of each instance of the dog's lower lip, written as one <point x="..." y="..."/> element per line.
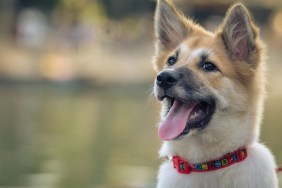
<point x="161" y="98"/>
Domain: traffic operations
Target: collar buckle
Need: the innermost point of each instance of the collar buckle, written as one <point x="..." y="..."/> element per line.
<point x="181" y="165"/>
<point x="242" y="153"/>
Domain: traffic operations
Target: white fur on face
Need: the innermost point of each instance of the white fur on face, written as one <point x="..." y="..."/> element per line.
<point x="184" y="48"/>
<point x="187" y="55"/>
<point x="200" y="51"/>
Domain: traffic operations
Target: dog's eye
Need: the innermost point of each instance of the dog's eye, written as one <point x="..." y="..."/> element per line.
<point x="171" y="60"/>
<point x="208" y="66"/>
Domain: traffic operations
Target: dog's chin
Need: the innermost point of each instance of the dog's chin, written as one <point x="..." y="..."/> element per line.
<point x="198" y="114"/>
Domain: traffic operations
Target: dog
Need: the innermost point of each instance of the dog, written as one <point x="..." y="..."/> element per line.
<point x="212" y="88"/>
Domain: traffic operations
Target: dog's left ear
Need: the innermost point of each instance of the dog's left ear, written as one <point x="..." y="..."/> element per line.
<point x="239" y="33"/>
<point x="170" y="25"/>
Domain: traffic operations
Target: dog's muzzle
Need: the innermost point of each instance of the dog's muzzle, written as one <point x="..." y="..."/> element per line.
<point x="187" y="103"/>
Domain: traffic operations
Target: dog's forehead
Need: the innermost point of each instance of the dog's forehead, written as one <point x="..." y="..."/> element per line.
<point x="192" y="53"/>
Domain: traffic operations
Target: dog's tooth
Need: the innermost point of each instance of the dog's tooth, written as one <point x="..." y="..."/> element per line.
<point x="194" y="115"/>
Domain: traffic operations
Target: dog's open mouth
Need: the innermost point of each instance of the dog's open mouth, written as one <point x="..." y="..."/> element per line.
<point x="182" y="117"/>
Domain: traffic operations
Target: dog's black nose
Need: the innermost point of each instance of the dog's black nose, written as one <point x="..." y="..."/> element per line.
<point x="166" y="79"/>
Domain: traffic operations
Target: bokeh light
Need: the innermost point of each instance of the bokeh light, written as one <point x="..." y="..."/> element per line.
<point x="277" y="23"/>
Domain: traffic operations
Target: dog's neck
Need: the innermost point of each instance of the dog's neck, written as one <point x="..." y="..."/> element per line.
<point x="196" y="154"/>
<point x="208" y="145"/>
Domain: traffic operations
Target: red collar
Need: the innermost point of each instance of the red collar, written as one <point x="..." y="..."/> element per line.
<point x="182" y="166"/>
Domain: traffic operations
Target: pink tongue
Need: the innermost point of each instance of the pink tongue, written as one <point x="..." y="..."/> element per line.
<point x="175" y="121"/>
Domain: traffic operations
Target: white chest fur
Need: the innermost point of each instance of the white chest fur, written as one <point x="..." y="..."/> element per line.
<point x="257" y="171"/>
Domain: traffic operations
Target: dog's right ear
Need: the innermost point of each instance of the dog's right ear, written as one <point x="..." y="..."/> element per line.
<point x="170" y="26"/>
<point x="239" y="33"/>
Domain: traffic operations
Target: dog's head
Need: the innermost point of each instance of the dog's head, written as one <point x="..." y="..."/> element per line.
<point x="211" y="84"/>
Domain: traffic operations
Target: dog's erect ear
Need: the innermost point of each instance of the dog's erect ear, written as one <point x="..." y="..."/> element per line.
<point x="170" y="25"/>
<point x="239" y="32"/>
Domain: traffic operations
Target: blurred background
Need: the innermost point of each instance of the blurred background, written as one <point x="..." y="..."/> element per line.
<point x="75" y="85"/>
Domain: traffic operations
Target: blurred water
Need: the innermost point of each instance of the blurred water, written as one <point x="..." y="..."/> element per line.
<point x="54" y="136"/>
